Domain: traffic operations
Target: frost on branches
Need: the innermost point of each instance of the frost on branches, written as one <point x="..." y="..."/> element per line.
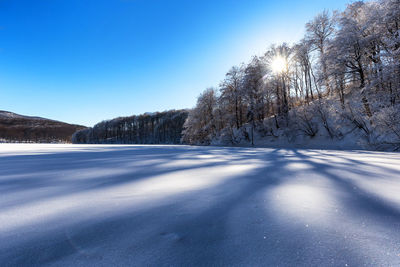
<point x="339" y="86"/>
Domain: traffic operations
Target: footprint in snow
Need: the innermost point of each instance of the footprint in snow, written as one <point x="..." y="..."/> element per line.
<point x="171" y="236"/>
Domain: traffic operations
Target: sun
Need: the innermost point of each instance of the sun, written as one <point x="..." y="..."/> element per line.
<point x="278" y="64"/>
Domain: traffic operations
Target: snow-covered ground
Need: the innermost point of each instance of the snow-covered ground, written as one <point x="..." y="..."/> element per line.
<point x="98" y="205"/>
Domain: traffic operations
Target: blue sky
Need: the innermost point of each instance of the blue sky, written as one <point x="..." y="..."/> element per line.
<point x="83" y="61"/>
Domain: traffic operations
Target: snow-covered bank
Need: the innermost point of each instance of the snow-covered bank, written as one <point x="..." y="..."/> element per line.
<point x="105" y="205"/>
<point x="322" y="124"/>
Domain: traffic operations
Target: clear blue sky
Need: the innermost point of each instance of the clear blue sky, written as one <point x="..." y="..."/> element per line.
<point x="83" y="61"/>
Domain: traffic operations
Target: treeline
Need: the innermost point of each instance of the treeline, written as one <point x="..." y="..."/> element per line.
<point x="156" y="128"/>
<point x="345" y="71"/>
<point x="18" y="128"/>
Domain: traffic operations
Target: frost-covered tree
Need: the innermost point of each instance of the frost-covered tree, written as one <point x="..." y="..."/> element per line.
<point x="344" y="71"/>
<point x="303" y="60"/>
<point x="201" y="125"/>
<point x="351" y="46"/>
<point x="318" y="33"/>
<point x="253" y="89"/>
<point x="232" y="99"/>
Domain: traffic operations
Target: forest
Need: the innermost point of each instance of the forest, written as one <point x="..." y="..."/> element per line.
<point x="340" y="82"/>
<point x="150" y="128"/>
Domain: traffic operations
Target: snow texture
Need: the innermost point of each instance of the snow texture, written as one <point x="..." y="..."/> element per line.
<point x="99" y="205"/>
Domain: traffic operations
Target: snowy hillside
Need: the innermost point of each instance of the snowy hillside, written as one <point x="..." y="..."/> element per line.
<point x="322" y="125"/>
<point x="12" y="115"/>
<point x="70" y="205"/>
<point x="337" y="87"/>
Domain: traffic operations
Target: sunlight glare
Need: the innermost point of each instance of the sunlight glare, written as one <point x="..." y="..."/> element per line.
<point x="278" y="64"/>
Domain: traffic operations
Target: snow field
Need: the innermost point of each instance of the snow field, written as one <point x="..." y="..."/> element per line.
<point x="103" y="205"/>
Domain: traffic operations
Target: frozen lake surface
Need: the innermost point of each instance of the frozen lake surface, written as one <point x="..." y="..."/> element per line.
<point x="78" y="205"/>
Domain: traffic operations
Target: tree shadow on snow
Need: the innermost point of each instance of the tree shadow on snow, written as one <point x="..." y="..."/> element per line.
<point x="231" y="223"/>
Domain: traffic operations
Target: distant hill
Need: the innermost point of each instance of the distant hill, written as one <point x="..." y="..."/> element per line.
<point x="20" y="128"/>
